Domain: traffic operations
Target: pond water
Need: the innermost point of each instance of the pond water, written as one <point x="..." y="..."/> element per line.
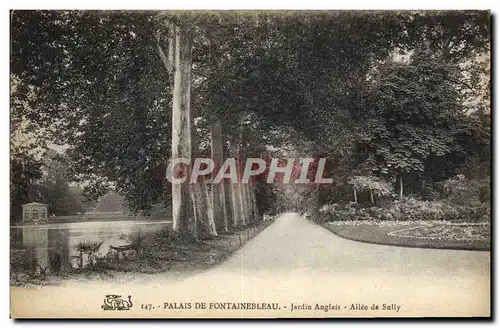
<point x="61" y="238"/>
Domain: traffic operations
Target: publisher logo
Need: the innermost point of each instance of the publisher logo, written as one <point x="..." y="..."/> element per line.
<point x="116" y="303"/>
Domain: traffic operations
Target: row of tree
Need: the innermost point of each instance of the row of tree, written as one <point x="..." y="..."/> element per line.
<point x="378" y="93"/>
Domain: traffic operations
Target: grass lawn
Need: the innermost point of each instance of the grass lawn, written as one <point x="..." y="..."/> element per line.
<point x="425" y="234"/>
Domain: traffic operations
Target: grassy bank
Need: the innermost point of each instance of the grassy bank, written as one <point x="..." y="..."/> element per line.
<point x="161" y="251"/>
<point x="77" y="219"/>
<point x="422" y="234"/>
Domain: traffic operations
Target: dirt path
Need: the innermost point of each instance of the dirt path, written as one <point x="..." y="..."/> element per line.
<point x="293" y="261"/>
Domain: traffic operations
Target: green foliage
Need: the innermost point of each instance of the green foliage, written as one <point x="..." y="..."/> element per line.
<point x="454" y="34"/>
<point x="413" y="116"/>
<point x="54" y="188"/>
<point x="406" y="209"/>
<point x="44" y="180"/>
<point x="377" y="186"/>
<point x="286" y="78"/>
<point x="90" y="249"/>
<point x="23" y="260"/>
<point x="266" y="196"/>
<point x="94" y="81"/>
<point x="168" y="237"/>
<point x="25" y="170"/>
<point x="462" y="191"/>
<point x="136" y="241"/>
<point x="99" y="86"/>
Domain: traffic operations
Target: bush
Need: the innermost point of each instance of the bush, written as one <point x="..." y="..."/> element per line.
<point x="23" y="260"/>
<point x="462" y="191"/>
<point x="414" y="209"/>
<point x="136" y="240"/>
<point x="167" y="237"/>
<point x="407" y="209"/>
<point x="334" y="212"/>
<point x="89" y="248"/>
<point x="377" y="186"/>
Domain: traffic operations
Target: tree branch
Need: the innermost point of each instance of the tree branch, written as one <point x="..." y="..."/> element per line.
<point x="167" y="57"/>
<point x="172" y="30"/>
<point x="199" y="73"/>
<point x="163" y="57"/>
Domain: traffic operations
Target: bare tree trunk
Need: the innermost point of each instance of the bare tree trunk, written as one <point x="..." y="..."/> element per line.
<point x="229" y="208"/>
<point x="218" y="190"/>
<point x="253" y="203"/>
<point x="355" y="195"/>
<point x="190" y="207"/>
<point x="240" y="166"/>
<point x="227" y="190"/>
<point x="401" y="186"/>
<point x="251" y="216"/>
<point x="202" y="205"/>
<point x="202" y="210"/>
<point x="236" y="204"/>
<point x="238" y="216"/>
<point x="245" y="202"/>
<point x="182" y="120"/>
<point x="371" y="196"/>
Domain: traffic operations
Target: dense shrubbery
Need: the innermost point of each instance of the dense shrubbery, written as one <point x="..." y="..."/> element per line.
<point x="460" y="190"/>
<point x="23" y="260"/>
<point x="407" y="209"/>
<point x="376" y="186"/>
<point x="464" y="200"/>
<point x="167" y="237"/>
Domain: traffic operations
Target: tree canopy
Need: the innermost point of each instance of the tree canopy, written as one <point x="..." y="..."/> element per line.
<point x="386" y="90"/>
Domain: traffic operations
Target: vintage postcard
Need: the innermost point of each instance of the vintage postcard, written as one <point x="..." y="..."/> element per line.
<point x="250" y="164"/>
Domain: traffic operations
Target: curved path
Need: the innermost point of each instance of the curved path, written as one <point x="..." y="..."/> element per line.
<point x="292" y="261"/>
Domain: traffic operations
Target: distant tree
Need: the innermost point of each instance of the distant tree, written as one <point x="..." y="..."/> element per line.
<point x="413" y="116"/>
<point x="375" y="186"/>
<point x="97" y="82"/>
<point x="54" y="188"/>
<point x="462" y="191"/>
<point x="25" y="170"/>
<point x="94" y="81"/>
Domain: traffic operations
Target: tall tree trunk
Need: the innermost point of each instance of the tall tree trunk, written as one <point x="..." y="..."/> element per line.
<point x="401" y="186"/>
<point x="218" y="190"/>
<point x="229" y="208"/>
<point x="190" y="204"/>
<point x="371" y="196"/>
<point x="247" y="204"/>
<point x="205" y="226"/>
<point x="244" y="197"/>
<point x="202" y="205"/>
<point x="182" y="120"/>
<point x="243" y="208"/>
<point x="253" y="203"/>
<point x="236" y="205"/>
<point x="238" y="218"/>
<point x="355" y="195"/>
<point x="241" y="164"/>
<point x="251" y="214"/>
<point x="227" y="190"/>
